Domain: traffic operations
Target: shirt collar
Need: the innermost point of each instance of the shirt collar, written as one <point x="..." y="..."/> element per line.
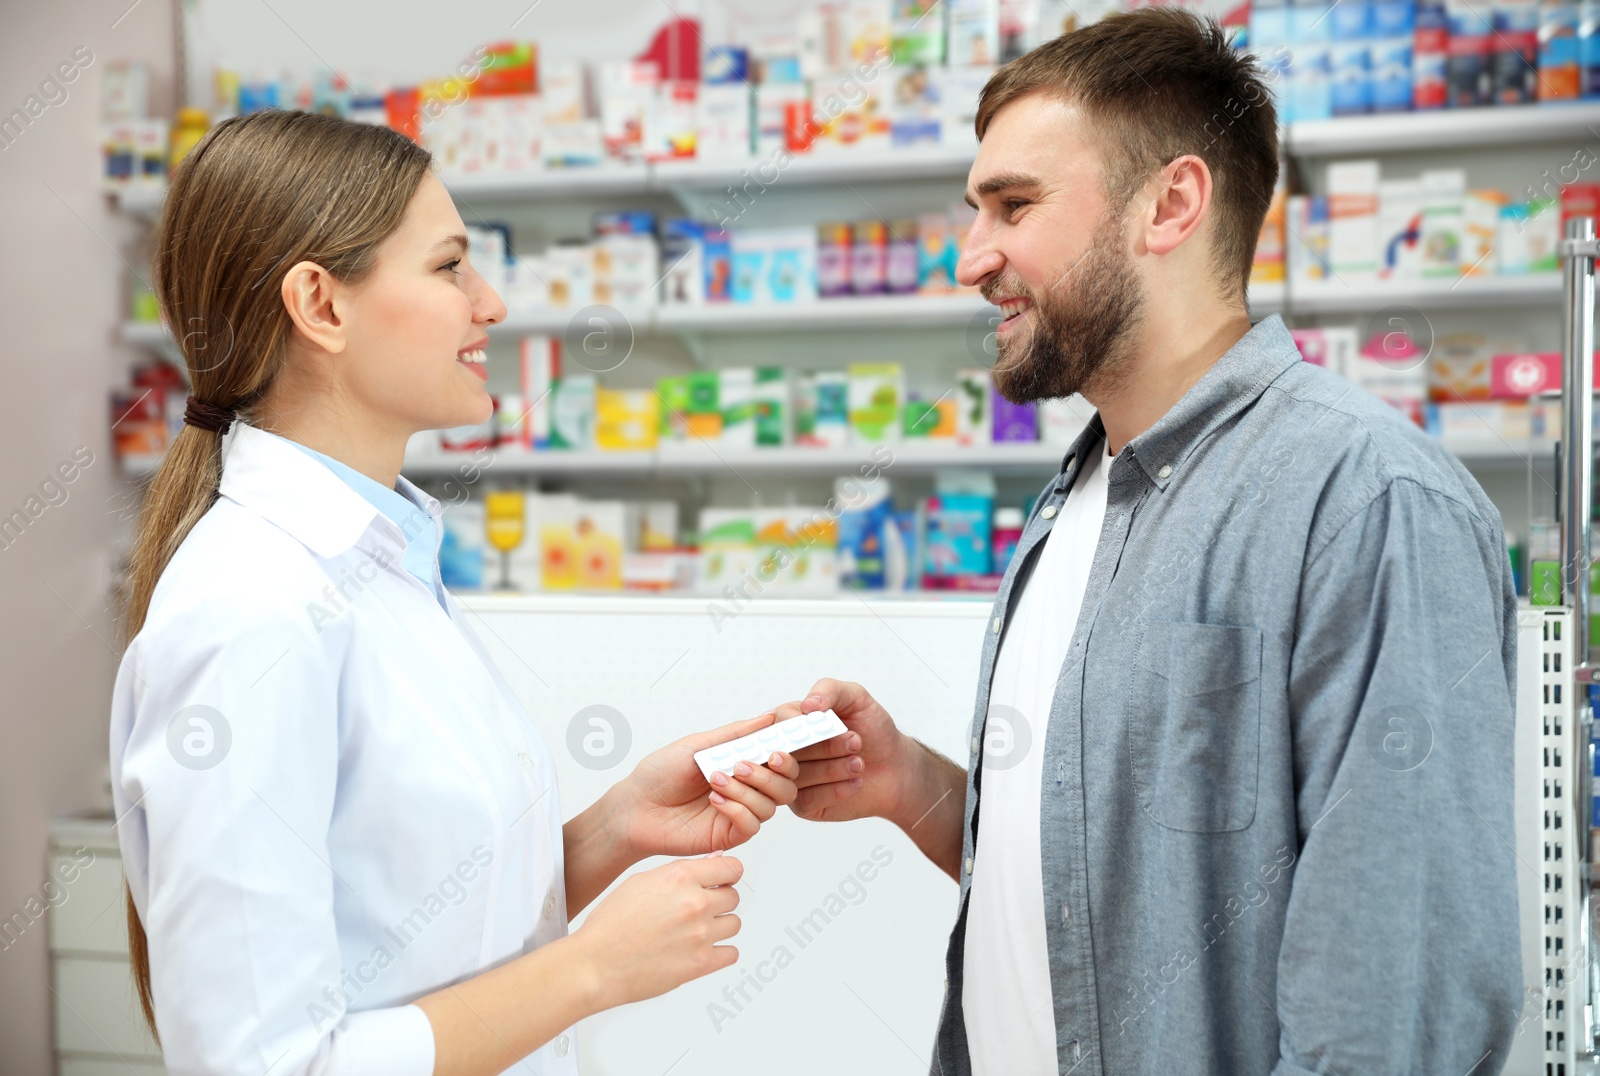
<point x="1232" y="384"/>
<point x="408" y="513"/>
<point x="270" y="476"/>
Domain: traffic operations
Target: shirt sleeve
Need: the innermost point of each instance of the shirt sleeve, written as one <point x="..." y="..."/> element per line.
<point x="1401" y="947"/>
<point x="231" y="768"/>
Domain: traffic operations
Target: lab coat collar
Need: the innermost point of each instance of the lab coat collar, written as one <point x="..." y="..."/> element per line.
<point x="293" y="491"/>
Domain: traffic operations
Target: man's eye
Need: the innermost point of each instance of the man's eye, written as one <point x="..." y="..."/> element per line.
<point x="1011" y="205"/>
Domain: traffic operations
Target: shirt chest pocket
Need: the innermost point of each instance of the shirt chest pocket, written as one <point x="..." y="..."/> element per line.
<point x="1194" y="725"/>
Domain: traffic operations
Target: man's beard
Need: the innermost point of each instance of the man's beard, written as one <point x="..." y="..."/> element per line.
<point x="1080" y="325"/>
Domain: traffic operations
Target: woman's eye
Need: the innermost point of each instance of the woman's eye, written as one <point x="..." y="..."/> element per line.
<point x="451" y="265"/>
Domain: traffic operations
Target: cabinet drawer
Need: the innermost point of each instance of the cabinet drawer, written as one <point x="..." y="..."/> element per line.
<point x="99" y="1066"/>
<point x="92" y="918"/>
<point x="97" y="1011"/>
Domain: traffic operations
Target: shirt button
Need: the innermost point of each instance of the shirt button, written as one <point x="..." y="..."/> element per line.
<point x="1165" y="472"/>
<point x="1048" y="511"/>
<point x="995" y="627"/>
<point x="549" y="906"/>
<point x="562" y="1045"/>
<point x="1066" y="915"/>
<point x="974" y="745"/>
<point x="967" y="866"/>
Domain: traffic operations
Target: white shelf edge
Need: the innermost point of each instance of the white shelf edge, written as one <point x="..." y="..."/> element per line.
<point x="1353" y="296"/>
<point x="954" y="604"/>
<point x="926" y="311"/>
<point x="1465" y="128"/>
<point x="696" y="458"/>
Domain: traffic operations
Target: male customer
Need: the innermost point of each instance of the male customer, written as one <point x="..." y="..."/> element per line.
<point x="1247" y="690"/>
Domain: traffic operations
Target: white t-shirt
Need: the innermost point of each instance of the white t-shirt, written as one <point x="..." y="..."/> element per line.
<point x="1006" y="995"/>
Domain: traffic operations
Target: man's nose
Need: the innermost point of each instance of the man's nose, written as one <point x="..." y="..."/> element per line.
<point x="978" y="262"/>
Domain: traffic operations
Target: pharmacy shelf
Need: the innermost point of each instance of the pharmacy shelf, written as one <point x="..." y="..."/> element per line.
<point x="609" y="178"/>
<point x="848" y="312"/>
<point x="140" y="200"/>
<point x="1404" y="132"/>
<point x="859" y="312"/>
<point x="701" y="457"/>
<point x="1482" y="451"/>
<point x="1488" y="452"/>
<point x="839" y="166"/>
<point x="1355" y="135"/>
<point x="1478" y="451"/>
<point x="1338" y="296"/>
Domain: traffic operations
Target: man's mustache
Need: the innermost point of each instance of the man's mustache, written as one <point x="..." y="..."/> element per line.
<point x="1007" y="286"/>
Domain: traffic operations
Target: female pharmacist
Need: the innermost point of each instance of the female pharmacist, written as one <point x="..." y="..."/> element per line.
<point x="341" y="831"/>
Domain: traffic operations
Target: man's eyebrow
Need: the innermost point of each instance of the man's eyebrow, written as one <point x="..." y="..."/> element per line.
<point x="457" y="240"/>
<point x="1002" y="182"/>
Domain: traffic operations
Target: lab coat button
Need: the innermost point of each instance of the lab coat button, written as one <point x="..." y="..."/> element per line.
<point x="562" y="1045"/>
<point x="1048" y="511"/>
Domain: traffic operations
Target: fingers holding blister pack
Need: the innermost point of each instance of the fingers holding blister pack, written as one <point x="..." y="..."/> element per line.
<point x="790" y="735"/>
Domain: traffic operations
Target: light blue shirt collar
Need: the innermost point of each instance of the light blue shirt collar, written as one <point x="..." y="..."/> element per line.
<point x="416" y="525"/>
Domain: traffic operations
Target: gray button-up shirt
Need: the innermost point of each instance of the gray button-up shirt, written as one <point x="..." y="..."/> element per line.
<point x="1276" y="814"/>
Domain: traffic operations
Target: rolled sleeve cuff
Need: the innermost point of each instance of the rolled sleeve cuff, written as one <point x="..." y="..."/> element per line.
<point x="386" y="1042"/>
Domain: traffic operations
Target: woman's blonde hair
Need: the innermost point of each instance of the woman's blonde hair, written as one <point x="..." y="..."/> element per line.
<point x="259" y="194"/>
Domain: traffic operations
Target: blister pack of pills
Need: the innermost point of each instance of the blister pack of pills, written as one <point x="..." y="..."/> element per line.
<point x="756" y="748"/>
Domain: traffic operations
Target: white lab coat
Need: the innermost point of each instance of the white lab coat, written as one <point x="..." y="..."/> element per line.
<point x="330" y="801"/>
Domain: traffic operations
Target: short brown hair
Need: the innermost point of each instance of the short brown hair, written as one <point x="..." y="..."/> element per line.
<point x="1158" y="83"/>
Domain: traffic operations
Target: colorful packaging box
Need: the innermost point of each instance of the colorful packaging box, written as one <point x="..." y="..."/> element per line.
<point x="1013" y="422"/>
<point x="1400" y="210"/>
<point x="1480" y="227"/>
<point x="626" y="419"/>
<point x="727" y="548"/>
<point x="957" y="537"/>
<point x="1444" y="194"/>
<point x="1061" y="420"/>
<point x="1353" y="218"/>
<point x="722" y="122"/>
<point x="1522" y="375"/>
<point x="463" y="545"/>
<point x="736" y="389"/>
<point x="974" y="407"/>
<point x="773" y="408"/>
<point x="572" y="412"/>
<point x="876" y="390"/>
<point x="822" y="409"/>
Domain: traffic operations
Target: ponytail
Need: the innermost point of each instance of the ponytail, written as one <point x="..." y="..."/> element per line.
<point x="182" y="490"/>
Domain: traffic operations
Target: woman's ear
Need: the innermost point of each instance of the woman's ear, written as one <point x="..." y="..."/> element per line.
<point x="311" y="295"/>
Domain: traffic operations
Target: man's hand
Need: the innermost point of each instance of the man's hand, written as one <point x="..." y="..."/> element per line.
<point x="861" y="774"/>
<point x="877" y="771"/>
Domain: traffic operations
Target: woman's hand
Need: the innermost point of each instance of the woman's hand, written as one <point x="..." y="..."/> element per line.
<point x="660" y="928"/>
<point x="667" y="808"/>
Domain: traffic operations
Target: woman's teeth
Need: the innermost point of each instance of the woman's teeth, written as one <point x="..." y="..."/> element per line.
<point x="480" y="356"/>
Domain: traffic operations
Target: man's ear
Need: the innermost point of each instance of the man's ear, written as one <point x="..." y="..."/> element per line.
<point x="312" y="297"/>
<point x="1178" y="198"/>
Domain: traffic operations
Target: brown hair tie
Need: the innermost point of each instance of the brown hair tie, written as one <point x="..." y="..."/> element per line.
<point x="208" y="416"/>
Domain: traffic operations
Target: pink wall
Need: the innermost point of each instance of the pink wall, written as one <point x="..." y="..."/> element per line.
<point x="62" y="293"/>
